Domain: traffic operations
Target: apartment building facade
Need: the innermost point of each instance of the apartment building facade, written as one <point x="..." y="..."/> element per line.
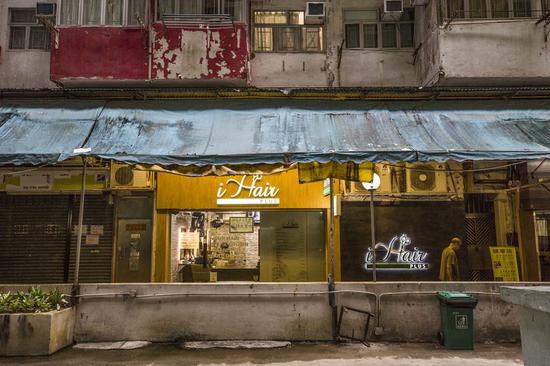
<point x="347" y="43"/>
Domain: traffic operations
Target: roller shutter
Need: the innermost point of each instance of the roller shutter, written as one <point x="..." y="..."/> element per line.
<point x="95" y="259"/>
<point x="35" y="231"/>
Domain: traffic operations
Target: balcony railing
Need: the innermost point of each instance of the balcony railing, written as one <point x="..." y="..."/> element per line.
<point x="212" y="20"/>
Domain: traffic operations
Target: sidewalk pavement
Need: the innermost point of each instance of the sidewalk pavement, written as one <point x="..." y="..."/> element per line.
<point x="303" y="354"/>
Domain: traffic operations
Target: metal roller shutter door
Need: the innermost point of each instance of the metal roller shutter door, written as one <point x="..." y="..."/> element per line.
<point x="33" y="239"/>
<point x="95" y="260"/>
<point x="33" y="233"/>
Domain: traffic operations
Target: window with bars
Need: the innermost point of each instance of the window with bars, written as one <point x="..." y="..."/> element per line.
<point x="233" y="8"/>
<point x="365" y="29"/>
<point x="103" y="12"/>
<point x="25" y="32"/>
<point x="484" y="9"/>
<point x="285" y="31"/>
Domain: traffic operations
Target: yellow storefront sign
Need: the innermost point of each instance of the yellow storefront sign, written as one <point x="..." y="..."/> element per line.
<point x="504" y="260"/>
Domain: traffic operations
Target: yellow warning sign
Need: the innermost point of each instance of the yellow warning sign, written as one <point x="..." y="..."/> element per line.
<point x="505" y="266"/>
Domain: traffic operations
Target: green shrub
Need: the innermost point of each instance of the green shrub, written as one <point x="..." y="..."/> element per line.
<point x="32" y="301"/>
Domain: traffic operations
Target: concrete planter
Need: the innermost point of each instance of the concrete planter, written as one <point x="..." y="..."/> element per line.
<point x="36" y="334"/>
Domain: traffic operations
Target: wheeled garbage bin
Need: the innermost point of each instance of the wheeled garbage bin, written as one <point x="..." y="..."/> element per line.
<point x="457" y="319"/>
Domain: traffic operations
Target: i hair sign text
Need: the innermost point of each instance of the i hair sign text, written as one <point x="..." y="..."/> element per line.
<point x="397" y="255"/>
<point x="247" y="190"/>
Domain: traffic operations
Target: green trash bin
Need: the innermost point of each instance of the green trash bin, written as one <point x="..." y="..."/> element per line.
<point x="457" y="319"/>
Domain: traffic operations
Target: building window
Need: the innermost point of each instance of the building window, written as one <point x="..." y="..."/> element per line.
<point x="102" y="12"/>
<point x="483" y="9"/>
<point x="135" y="13"/>
<point x="200" y="7"/>
<point x="92" y="12"/>
<point x="285" y="31"/>
<point x="25" y="32"/>
<point x="365" y="29"/>
<point x="114" y="12"/>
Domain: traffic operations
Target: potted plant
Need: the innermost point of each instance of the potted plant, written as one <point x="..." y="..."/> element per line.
<point x="35" y="322"/>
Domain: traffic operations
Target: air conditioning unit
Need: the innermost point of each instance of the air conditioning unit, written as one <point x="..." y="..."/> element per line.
<point x="125" y="177"/>
<point x="315" y="13"/>
<point x="45" y="9"/>
<point x="384" y="172"/>
<point x="426" y="178"/>
<point x="393" y="6"/>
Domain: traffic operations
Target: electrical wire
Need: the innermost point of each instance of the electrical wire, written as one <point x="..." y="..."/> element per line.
<point x="498" y="167"/>
<point x="19" y="172"/>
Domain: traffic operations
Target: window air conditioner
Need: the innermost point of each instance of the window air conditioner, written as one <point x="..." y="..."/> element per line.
<point x="124" y="177"/>
<point x="315" y="13"/>
<point x="315" y="9"/>
<point x="393" y="6"/>
<point x="45" y="9"/>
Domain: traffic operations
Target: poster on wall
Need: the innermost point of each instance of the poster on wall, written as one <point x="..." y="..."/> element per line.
<point x="505" y="265"/>
<point x="188" y="239"/>
<point x="241" y="225"/>
<point x="410" y="238"/>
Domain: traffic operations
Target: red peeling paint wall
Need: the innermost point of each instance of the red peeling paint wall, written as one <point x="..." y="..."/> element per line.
<point x="195" y="52"/>
<point x="185" y="53"/>
<point x="100" y="53"/>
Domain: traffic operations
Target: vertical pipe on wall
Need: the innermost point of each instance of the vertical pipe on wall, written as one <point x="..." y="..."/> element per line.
<point x="68" y="235"/>
<point x="331" y="286"/>
<point x="150" y="19"/>
<point x="372" y="235"/>
<point x="80" y="221"/>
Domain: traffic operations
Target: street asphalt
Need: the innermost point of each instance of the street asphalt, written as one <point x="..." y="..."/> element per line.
<point x="324" y="354"/>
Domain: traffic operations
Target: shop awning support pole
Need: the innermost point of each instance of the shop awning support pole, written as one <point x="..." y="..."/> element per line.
<point x="372" y="235"/>
<point x="331" y="286"/>
<point x="80" y="221"/>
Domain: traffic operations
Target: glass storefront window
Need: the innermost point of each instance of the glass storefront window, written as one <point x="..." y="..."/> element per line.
<point x="269" y="246"/>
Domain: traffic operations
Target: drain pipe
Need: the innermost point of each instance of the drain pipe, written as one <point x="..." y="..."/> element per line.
<point x="80" y="221"/>
<point x="331" y="285"/>
<point x="76" y="287"/>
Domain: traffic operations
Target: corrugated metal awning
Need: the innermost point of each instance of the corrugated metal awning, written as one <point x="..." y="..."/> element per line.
<point x="204" y="133"/>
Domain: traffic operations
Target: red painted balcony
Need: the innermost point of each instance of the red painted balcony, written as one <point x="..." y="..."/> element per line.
<point x="178" y="50"/>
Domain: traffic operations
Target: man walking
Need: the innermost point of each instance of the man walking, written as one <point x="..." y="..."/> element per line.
<point x="449" y="261"/>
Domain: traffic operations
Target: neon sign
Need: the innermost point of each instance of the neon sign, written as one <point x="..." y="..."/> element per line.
<point x="397" y="256"/>
<point x="257" y="194"/>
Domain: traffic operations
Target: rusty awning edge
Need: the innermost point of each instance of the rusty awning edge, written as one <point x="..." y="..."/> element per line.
<point x="252" y="133"/>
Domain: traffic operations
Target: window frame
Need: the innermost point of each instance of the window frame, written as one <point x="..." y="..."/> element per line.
<point x="379" y="34"/>
<point x="534" y="9"/>
<point x="28" y="27"/>
<point x="220" y="5"/>
<point x="103" y="15"/>
<point x="275" y="32"/>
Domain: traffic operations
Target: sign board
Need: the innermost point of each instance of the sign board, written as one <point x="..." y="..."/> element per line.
<point x="429" y="225"/>
<point x="505" y="265"/>
<point x="241" y="225"/>
<point x="397" y="255"/>
<point x="188" y="239"/>
<point x="326" y="187"/>
<point x="51" y="181"/>
<point x="247" y="190"/>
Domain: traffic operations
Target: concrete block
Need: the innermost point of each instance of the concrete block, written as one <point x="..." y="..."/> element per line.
<point x="36" y="334"/>
<point x="534" y="320"/>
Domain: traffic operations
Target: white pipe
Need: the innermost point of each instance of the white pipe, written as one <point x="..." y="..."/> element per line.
<point x="80" y="221"/>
